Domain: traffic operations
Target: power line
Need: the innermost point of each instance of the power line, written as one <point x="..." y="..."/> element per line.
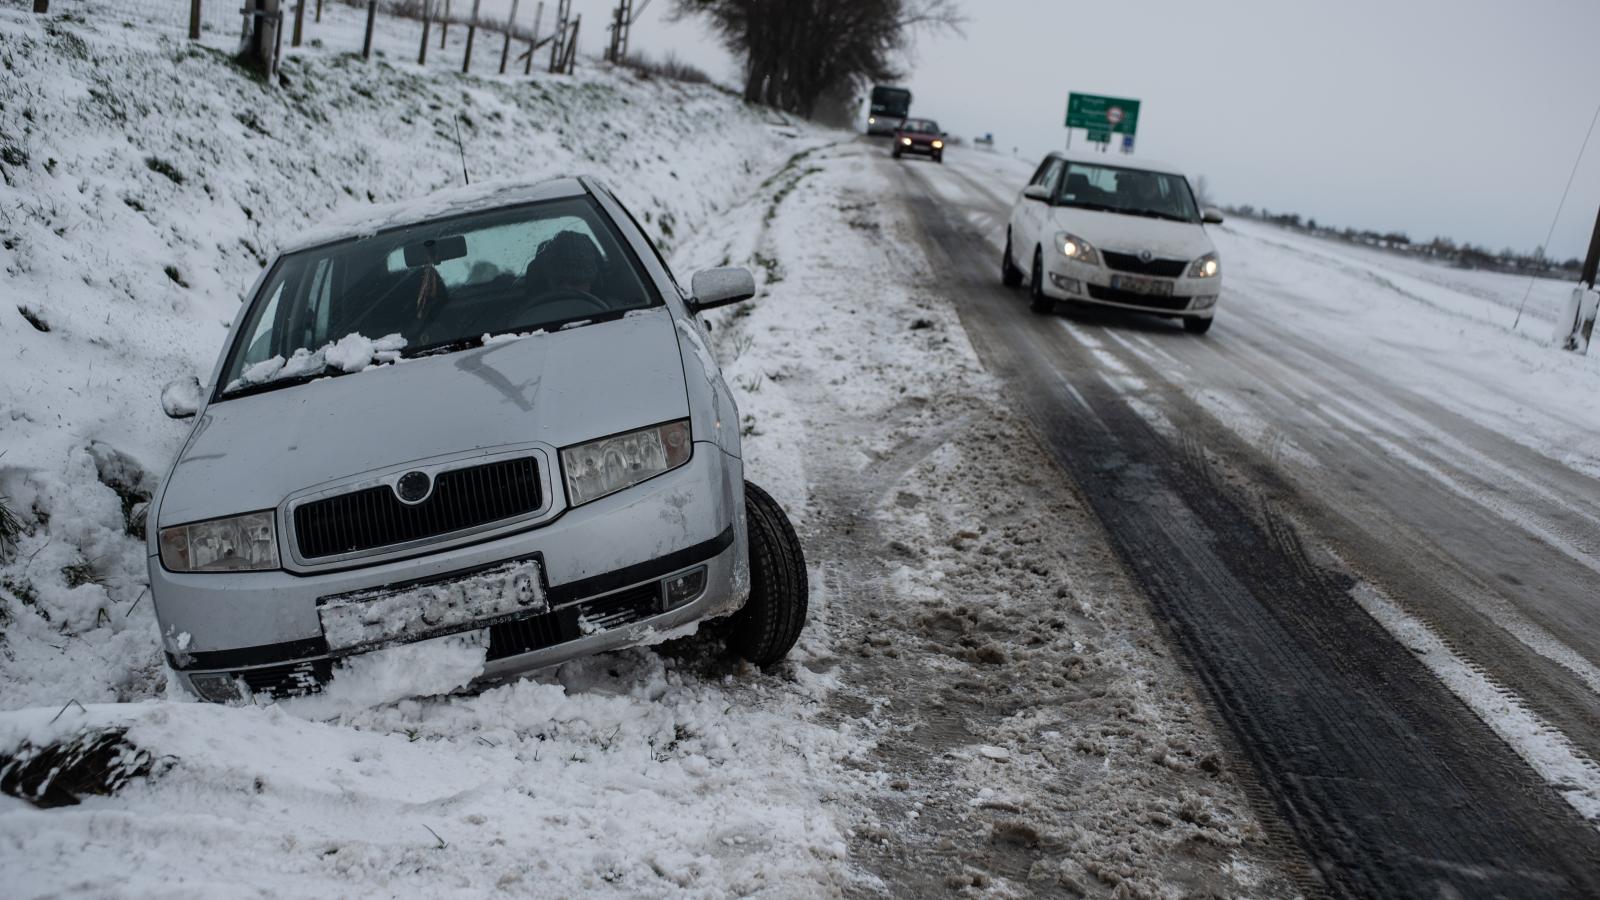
<point x="1557" y="217"/>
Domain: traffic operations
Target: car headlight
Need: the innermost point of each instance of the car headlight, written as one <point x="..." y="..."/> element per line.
<point x="1205" y="267"/>
<point x="608" y="465"/>
<point x="872" y="120"/>
<point x="1076" y="248"/>
<point x="938" y="145"/>
<point x="247" y="543"/>
<point x="906" y="141"/>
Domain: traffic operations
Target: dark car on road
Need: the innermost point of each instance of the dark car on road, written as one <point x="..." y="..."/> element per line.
<point x="919" y="136"/>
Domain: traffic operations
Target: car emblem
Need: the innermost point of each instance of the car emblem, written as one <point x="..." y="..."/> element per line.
<point x="413" y="488"/>
<point x="1146" y="256"/>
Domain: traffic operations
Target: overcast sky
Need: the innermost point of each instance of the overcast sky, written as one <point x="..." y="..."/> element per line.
<point x="1458" y="117"/>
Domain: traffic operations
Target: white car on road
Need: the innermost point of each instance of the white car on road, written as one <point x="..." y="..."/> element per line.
<point x="1099" y="230"/>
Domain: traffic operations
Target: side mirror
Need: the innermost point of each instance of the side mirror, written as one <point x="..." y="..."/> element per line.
<point x="1210" y="216"/>
<point x="1036" y="192"/>
<point x="720" y="287"/>
<point x="180" y="399"/>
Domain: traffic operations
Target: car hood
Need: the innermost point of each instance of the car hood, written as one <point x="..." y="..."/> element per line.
<point x="561" y="388"/>
<point x="1131" y="234"/>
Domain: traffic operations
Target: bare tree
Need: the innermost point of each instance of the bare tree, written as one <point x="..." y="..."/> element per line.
<point x="797" y="52"/>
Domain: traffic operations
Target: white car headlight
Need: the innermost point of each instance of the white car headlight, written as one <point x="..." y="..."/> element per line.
<point x="608" y="465"/>
<point x="1205" y="267"/>
<point x="247" y="543"/>
<point x="906" y="141"/>
<point x="1076" y="248"/>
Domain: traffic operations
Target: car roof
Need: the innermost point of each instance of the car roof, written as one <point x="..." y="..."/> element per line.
<point x="484" y="195"/>
<point x="1118" y="160"/>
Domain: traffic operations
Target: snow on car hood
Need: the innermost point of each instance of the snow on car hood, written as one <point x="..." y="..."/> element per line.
<point x="1131" y="234"/>
<point x="561" y="388"/>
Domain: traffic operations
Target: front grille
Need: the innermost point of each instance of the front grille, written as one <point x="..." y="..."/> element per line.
<point x="573" y="621"/>
<point x="294" y="680"/>
<point x="1127" y="262"/>
<point x="374" y="517"/>
<point x="1112" y="295"/>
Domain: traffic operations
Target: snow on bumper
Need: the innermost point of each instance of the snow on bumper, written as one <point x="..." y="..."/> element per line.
<point x="375" y="617"/>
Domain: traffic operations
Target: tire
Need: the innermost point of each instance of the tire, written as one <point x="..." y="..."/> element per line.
<point x="1010" y="275"/>
<point x="1040" y="303"/>
<point x="895" y="154"/>
<point x="770" y="622"/>
<point x="938" y="158"/>
<point x="1197" y="326"/>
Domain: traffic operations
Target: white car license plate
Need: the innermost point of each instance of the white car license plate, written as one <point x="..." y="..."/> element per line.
<point x="387" y="615"/>
<point x="1148" y="286"/>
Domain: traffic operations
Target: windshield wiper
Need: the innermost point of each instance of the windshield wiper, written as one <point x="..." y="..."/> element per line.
<point x="443" y="347"/>
<point x="272" y="384"/>
<point x="1156" y="214"/>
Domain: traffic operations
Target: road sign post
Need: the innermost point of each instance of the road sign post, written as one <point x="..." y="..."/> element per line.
<point x="1102" y="117"/>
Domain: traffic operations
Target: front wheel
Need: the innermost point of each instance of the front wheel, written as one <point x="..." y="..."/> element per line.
<point x="938" y="157"/>
<point x="770" y="622"/>
<point x="1010" y="275"/>
<point x="1197" y="326"/>
<point x="1040" y="303"/>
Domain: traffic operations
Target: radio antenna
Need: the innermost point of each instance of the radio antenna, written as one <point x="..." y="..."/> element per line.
<point x="459" y="149"/>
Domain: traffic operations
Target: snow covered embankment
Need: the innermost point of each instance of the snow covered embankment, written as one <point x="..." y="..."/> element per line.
<point x="142" y="193"/>
<point x="146" y="180"/>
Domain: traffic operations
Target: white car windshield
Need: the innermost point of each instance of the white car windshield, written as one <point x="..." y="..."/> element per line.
<point x="1138" y="192"/>
<point x="433" y="287"/>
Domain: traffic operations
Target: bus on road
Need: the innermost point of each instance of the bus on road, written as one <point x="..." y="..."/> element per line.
<point x="889" y="105"/>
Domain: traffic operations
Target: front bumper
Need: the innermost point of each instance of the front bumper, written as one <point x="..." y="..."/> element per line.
<point x="1191" y="298"/>
<point x="605" y="562"/>
<point x="925" y="149"/>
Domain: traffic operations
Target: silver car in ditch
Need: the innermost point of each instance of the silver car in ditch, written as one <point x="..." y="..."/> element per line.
<point x="491" y="410"/>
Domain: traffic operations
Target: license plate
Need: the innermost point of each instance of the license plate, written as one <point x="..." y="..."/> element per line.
<point x="381" y="616"/>
<point x="1147" y="286"/>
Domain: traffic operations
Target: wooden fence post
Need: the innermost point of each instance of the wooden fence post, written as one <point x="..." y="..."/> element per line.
<point x="194" y="20"/>
<point x="511" y="25"/>
<point x="538" y="17"/>
<point x="427" y="16"/>
<point x="444" y="25"/>
<point x="41" y="6"/>
<point x="572" y="44"/>
<point x="366" y="44"/>
<point x="299" y="22"/>
<point x="319" y="12"/>
<point x="472" y="29"/>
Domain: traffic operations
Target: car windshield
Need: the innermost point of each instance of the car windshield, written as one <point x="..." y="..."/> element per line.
<point x="920" y="126"/>
<point x="1138" y="192"/>
<point x="433" y="287"/>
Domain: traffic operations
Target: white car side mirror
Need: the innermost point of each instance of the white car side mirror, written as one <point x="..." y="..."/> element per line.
<point x="720" y="287"/>
<point x="1211" y="216"/>
<point x="180" y="399"/>
<point x="1036" y="192"/>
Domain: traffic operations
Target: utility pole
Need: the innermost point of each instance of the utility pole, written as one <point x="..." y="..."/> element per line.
<point x="1588" y="309"/>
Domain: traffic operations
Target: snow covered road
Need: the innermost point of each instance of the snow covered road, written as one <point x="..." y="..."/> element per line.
<point x="1367" y="512"/>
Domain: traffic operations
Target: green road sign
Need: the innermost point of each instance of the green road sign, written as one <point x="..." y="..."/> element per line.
<point x="1102" y="114"/>
<point x="1099" y="137"/>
